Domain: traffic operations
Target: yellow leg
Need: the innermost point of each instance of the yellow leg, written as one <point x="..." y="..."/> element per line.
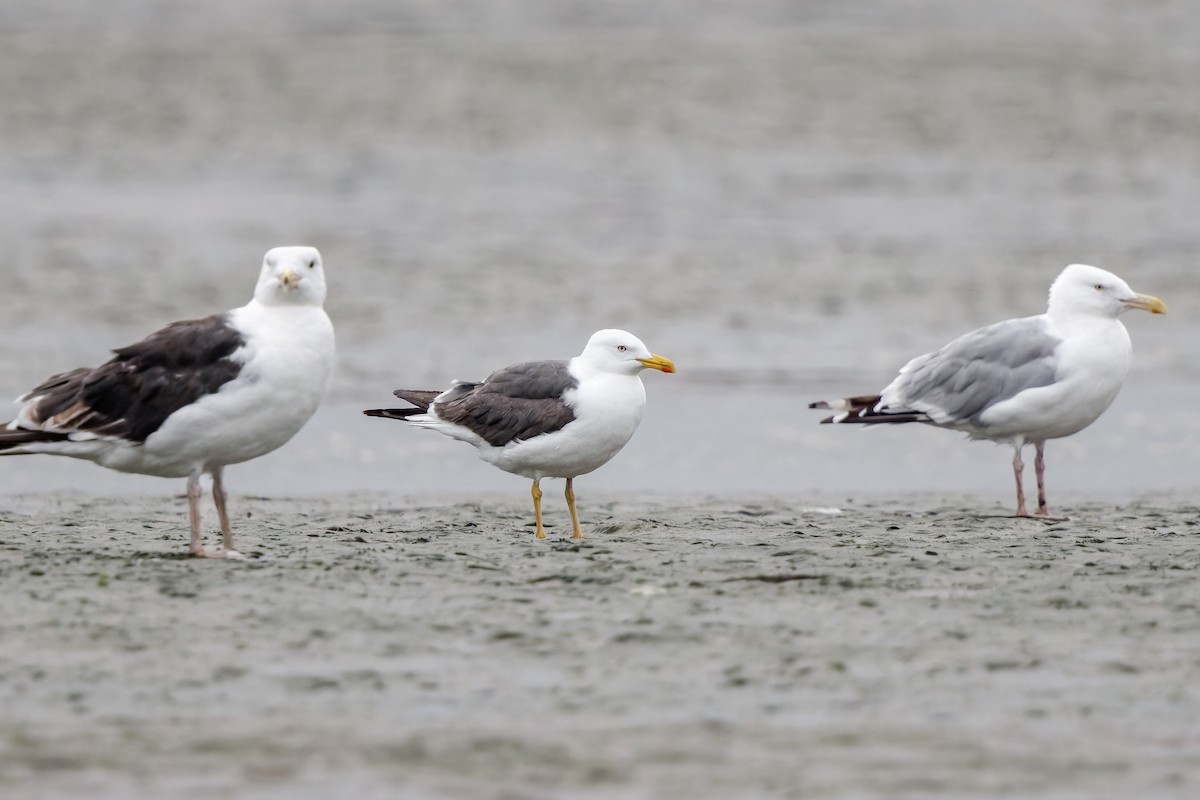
<point x="576" y="533"/>
<point x="536" y="491"/>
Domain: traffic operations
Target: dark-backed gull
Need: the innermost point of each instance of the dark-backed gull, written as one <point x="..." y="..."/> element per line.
<point x="545" y="419"/>
<point x="1021" y="381"/>
<point x="198" y="395"/>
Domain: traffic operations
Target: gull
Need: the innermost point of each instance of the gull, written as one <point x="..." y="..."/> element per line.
<point x="1021" y="381"/>
<point x="197" y="395"/>
<point x="545" y="419"/>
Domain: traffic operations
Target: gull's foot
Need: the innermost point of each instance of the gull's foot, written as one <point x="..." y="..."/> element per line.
<point x="232" y="555"/>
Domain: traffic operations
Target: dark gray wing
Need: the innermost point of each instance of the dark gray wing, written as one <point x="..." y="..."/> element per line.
<point x="132" y="394"/>
<point x="976" y="371"/>
<point x="513" y="404"/>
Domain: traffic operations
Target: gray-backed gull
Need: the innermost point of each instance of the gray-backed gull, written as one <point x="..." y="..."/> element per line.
<point x="1021" y="381"/>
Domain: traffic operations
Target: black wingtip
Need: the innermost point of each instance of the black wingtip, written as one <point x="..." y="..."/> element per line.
<point x="392" y="413"/>
<point x="15" y="437"/>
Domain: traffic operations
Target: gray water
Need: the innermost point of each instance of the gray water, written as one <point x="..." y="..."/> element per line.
<point x="789" y="199"/>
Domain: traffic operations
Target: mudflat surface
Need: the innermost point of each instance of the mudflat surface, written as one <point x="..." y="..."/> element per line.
<point x="789" y="199"/>
<point x="688" y="647"/>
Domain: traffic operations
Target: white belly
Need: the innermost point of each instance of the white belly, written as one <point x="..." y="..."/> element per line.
<point x="607" y="413"/>
<point x="1092" y="366"/>
<point x="283" y="377"/>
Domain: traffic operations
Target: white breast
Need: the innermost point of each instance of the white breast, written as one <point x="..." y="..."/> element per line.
<point x="607" y="411"/>
<point x="287" y="363"/>
<point x="1093" y="360"/>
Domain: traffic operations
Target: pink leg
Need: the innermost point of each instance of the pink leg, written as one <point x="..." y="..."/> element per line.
<point x="218" y="489"/>
<point x="193" y="498"/>
<point x="1039" y="466"/>
<point x="193" y="494"/>
<point x="1018" y="468"/>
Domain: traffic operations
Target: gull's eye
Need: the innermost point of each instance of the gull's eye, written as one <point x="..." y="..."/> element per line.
<point x="621" y="348"/>
<point x="1099" y="287"/>
<point x="312" y="264"/>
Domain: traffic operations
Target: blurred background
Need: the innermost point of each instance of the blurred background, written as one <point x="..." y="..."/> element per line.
<point x="788" y="198"/>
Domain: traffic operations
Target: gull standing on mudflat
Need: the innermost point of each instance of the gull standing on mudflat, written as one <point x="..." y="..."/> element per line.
<point x="545" y="419"/>
<point x="197" y="395"/>
<point x="1021" y="381"/>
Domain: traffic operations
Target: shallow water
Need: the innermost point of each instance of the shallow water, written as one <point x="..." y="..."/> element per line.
<point x="790" y="200"/>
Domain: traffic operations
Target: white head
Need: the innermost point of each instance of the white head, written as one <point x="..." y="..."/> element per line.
<point x="611" y="350"/>
<point x="1080" y="289"/>
<point x="291" y="276"/>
